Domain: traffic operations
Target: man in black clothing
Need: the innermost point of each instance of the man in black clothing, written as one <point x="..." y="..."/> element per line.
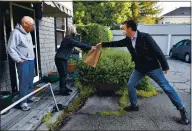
<point x="149" y="60"/>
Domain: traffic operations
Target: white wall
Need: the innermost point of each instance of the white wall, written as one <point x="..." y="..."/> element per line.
<point x="175" y="19"/>
<point x="165" y="35"/>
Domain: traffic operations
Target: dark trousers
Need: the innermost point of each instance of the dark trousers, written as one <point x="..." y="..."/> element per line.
<point x="61" y="65"/>
<point x="26" y="75"/>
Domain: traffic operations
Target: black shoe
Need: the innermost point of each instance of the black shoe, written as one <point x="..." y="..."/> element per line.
<point x="69" y="90"/>
<point x="132" y="108"/>
<point x="184" y="118"/>
<point x="65" y="93"/>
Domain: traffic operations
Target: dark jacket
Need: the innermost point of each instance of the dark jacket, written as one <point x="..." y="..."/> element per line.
<point x="147" y="55"/>
<point x="67" y="45"/>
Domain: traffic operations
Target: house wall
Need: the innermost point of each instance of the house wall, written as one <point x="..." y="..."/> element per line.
<point x="175" y="20"/>
<point x="47" y="44"/>
<point x="166" y="35"/>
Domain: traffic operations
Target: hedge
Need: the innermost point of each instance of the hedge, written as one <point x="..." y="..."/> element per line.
<point x="94" y="33"/>
<point x="114" y="67"/>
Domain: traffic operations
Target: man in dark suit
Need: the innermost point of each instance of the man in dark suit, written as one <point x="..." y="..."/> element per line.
<point x="149" y="60"/>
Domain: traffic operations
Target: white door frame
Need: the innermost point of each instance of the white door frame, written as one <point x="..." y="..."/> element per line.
<point x="36" y="78"/>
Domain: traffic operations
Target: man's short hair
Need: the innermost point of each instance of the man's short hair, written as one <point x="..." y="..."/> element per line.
<point x="132" y="24"/>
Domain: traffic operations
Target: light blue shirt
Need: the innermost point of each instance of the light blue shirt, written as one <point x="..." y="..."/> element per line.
<point x="133" y="40"/>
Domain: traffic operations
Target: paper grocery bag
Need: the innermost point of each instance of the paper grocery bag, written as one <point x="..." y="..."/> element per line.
<point x="92" y="57"/>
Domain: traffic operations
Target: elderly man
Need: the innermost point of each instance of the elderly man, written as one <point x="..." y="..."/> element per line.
<point x="20" y="48"/>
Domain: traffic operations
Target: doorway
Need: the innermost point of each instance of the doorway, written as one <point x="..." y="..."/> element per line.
<point x="17" y="11"/>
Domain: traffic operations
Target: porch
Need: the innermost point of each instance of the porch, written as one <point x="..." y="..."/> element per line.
<point x="17" y="119"/>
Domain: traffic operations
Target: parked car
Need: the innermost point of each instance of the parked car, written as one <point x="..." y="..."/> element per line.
<point x="181" y="50"/>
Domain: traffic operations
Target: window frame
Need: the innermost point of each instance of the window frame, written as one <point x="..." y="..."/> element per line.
<point x="62" y="29"/>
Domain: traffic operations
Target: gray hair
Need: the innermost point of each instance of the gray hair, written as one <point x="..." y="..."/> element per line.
<point x="71" y="30"/>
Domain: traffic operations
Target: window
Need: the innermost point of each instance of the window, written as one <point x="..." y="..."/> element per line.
<point x="179" y="44"/>
<point x="187" y="42"/>
<point x="60" y="25"/>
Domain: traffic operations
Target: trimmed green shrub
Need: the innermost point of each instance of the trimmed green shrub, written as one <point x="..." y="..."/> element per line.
<point x="114" y="67"/>
<point x="94" y="33"/>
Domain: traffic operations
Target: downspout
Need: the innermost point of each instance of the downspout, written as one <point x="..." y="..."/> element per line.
<point x="38" y="49"/>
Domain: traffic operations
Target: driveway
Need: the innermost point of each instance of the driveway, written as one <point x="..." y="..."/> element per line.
<point x="156" y="113"/>
<point x="179" y="75"/>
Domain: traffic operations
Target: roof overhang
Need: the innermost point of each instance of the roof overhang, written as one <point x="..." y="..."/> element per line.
<point x="51" y="8"/>
<point x="55" y="9"/>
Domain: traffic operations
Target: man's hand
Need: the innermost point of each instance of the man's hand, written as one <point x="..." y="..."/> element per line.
<point x="21" y="61"/>
<point x="99" y="45"/>
<point x="165" y="72"/>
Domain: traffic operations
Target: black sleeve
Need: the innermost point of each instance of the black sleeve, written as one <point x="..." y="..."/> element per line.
<point x="81" y="45"/>
<point x="157" y="52"/>
<point x="120" y="43"/>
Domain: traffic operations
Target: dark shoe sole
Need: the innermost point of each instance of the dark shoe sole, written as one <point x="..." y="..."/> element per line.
<point x="129" y="110"/>
<point x="69" y="90"/>
<point x="184" y="122"/>
<point x="65" y="94"/>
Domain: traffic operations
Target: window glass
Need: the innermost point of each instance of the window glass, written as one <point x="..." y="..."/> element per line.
<point x="179" y="44"/>
<point x="186" y="43"/>
<point x="60" y="24"/>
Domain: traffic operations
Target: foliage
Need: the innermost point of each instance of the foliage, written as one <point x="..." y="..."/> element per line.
<point x="150" y="93"/>
<point x="46" y="117"/>
<point x="72" y="61"/>
<point x="114" y="67"/>
<point x="151" y="20"/>
<point x="94" y="33"/>
<point x="145" y="82"/>
<point x="108" y="13"/>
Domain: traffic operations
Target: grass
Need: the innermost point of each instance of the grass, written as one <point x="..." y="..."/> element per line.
<point x="47" y="117"/>
<point x="151" y="92"/>
<point x="123" y="100"/>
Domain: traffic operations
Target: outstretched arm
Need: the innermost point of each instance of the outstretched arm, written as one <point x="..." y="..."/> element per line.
<point x="82" y="45"/>
<point x="120" y="43"/>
